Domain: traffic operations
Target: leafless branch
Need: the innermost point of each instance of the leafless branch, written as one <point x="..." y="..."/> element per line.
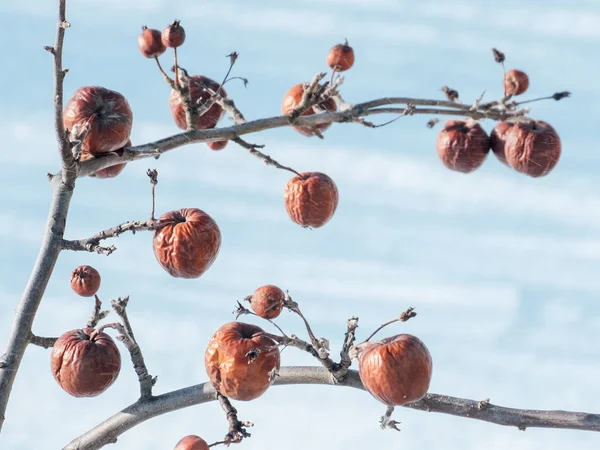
<point x="98" y="314"/>
<point x="110" y="429"/>
<point x="127" y="337"/>
<point x="92" y="244"/>
<point x="253" y="149"/>
<point x="237" y="429"/>
<point x="46" y="342"/>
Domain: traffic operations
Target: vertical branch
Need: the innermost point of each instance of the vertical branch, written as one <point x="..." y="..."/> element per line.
<point x="20" y="333"/>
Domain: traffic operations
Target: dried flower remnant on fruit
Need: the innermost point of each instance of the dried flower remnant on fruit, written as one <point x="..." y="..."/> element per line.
<point x="497" y="138"/>
<point x="191" y="442"/>
<point x="85" y="362"/>
<point x="396" y="370"/>
<point x="462" y="145"/>
<point x="106" y="115"/>
<point x="85" y="281"/>
<point x="311" y="199"/>
<point x="532" y="147"/>
<point x="293" y="97"/>
<point x="341" y="57"/>
<point x="267" y="301"/>
<point x="173" y="35"/>
<point x="516" y="82"/>
<point x="186" y="242"/>
<point x="240" y="359"/>
<point x="217" y="145"/>
<point x="199" y="96"/>
<point x="150" y="43"/>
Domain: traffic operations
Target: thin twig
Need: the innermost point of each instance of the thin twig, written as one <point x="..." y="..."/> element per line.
<point x="92" y="244"/>
<point x="167" y="78"/>
<point x="97" y="315"/>
<point x="153" y="175"/>
<point x="45" y="342"/>
<point x="241" y="310"/>
<point x="237" y="429"/>
<point x="406" y="315"/>
<point x="386" y="420"/>
<point x="253" y="149"/>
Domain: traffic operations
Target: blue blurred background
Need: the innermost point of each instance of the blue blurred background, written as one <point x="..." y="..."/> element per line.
<point x="501" y="268"/>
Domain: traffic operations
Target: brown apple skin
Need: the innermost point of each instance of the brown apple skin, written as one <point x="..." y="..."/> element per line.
<point x="311" y="199"/>
<point x="516" y="82"/>
<point x="396" y="370"/>
<point x="191" y="442"/>
<point x="462" y="146"/>
<point x="293" y="97"/>
<point x="107" y="115"/>
<point x="341" y="57"/>
<point x="217" y="145"/>
<point x="85" y="281"/>
<point x="186" y="242"/>
<point x="497" y="138"/>
<point x="85" y="363"/>
<point x="208" y="119"/>
<point x="532" y="148"/>
<point x="229" y="368"/>
<point x="267" y="301"/>
<point x="173" y="35"/>
<point x="150" y="43"/>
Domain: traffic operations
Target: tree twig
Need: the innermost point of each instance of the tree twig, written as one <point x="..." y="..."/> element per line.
<point x="45" y="342"/>
<point x="237" y="429"/>
<point x="110" y="429"/>
<point x="92" y="244"/>
<point x="98" y="314"/>
<point x="253" y="150"/>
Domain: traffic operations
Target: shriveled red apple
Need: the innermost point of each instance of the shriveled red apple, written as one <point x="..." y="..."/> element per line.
<point x="462" y="145"/>
<point x="150" y="43"/>
<point x="516" y="82"/>
<point x="85" y="281"/>
<point x="311" y="199"/>
<point x="186" y="242"/>
<point x="497" y="138"/>
<point x="267" y="301"/>
<point x="532" y="147"/>
<point x="293" y="97"/>
<point x="191" y="442"/>
<point x="240" y="363"/>
<point x="105" y="113"/>
<point x="197" y="85"/>
<point x="85" y="362"/>
<point x="341" y="57"/>
<point x="396" y="370"/>
<point x="107" y="172"/>
<point x="173" y="35"/>
<point x="217" y="145"/>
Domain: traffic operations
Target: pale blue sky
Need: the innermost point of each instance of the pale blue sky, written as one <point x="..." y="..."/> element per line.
<point x="501" y="268"/>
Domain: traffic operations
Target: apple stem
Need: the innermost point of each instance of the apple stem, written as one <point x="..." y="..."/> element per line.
<point x="164" y="74"/>
<point x="557" y="96"/>
<point x="176" y="65"/>
<point x="153" y="175"/>
<point x="241" y="310"/>
<point x="408" y="314"/>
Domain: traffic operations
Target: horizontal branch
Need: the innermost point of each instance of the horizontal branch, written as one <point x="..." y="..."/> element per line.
<point x="109" y="430"/>
<point x="45" y="342"/>
<point x="156" y="148"/>
<point x="92" y="244"/>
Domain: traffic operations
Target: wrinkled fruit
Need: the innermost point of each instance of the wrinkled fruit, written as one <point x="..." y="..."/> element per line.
<point x="532" y="148"/>
<point x="311" y="199"/>
<point x="396" y="370"/>
<point x="105" y="113"/>
<point x="515" y="82"/>
<point x="267" y="301"/>
<point x="150" y="43"/>
<point x="85" y="363"/>
<point x="462" y="145"/>
<point x="341" y="57"/>
<point x="85" y="281"/>
<point x="174" y="35"/>
<point x="191" y="442"/>
<point x="497" y="138"/>
<point x="186" y="242"/>
<point x="293" y="97"/>
<point x="198" y="96"/>
<point x="239" y="364"/>
<point x="217" y="145"/>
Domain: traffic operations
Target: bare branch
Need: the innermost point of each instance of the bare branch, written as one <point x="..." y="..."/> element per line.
<point x="98" y="314"/>
<point x="45" y="342"/>
<point x="110" y="429"/>
<point x="253" y="149"/>
<point x="126" y="336"/>
<point x="92" y="244"/>
<point x="237" y="429"/>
